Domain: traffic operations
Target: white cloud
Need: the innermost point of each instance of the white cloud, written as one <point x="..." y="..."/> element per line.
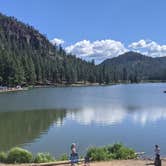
<point x="57" y="41"/>
<point x="98" y="50"/>
<point x="82" y="48"/>
<point x="149" y="48"/>
<point x="139" y="44"/>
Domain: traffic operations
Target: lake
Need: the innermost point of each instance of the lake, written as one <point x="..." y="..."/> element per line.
<point x="50" y="119"/>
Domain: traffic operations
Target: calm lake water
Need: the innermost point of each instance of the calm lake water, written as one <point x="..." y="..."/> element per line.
<point x="50" y="119"/>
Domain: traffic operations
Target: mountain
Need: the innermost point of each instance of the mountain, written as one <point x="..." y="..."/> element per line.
<point x="27" y="57"/>
<point x="133" y="67"/>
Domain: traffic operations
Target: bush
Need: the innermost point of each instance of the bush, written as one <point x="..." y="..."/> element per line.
<point x="114" y="148"/>
<point x="43" y="158"/>
<point x="64" y="157"/>
<point x="19" y="155"/>
<point x="125" y="153"/>
<point x="116" y="151"/>
<point x="121" y="152"/>
<point x="3" y="157"/>
<point x="97" y="154"/>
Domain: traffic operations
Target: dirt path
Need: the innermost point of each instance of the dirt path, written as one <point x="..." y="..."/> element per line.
<point x="126" y="163"/>
<point x="109" y="163"/>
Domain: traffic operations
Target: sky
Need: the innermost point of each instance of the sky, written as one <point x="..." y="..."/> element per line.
<point x="96" y="29"/>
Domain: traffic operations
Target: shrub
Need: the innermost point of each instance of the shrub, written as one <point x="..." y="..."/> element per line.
<point x="116" y="151"/>
<point x="19" y="155"/>
<point x="125" y="153"/>
<point x="63" y="157"/>
<point x="43" y="158"/>
<point x="121" y="152"/>
<point x="114" y="148"/>
<point x="98" y="154"/>
<point x="3" y="157"/>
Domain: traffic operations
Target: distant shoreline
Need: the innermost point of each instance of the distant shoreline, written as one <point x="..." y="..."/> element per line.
<point x="15" y="89"/>
<point x="95" y="84"/>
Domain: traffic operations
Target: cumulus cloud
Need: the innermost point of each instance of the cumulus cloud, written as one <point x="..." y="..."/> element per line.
<point x="57" y="41"/>
<point x="149" y="48"/>
<point x="98" y="50"/>
<point x="139" y="44"/>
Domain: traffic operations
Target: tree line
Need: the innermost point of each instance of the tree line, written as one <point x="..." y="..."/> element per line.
<point x="28" y="58"/>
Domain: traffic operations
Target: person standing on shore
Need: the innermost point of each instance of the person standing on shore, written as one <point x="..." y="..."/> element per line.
<point x="157" y="156"/>
<point x="73" y="148"/>
<point x="157" y="151"/>
<point x="74" y="155"/>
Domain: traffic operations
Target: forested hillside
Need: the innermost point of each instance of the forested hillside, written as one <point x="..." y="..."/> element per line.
<point x="27" y="57"/>
<point x="133" y="67"/>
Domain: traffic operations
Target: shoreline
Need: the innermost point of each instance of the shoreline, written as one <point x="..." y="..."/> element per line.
<point x="134" y="162"/>
<point x="14" y="89"/>
<point x="7" y="90"/>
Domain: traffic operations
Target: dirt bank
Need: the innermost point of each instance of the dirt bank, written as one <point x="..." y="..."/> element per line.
<point x="110" y="163"/>
<point x="127" y="163"/>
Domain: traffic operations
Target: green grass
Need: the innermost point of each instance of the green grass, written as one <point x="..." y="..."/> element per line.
<point x="63" y="157"/>
<point x="110" y="152"/>
<point x="43" y="158"/>
<point x="105" y="153"/>
<point x="19" y="155"/>
<point x="3" y="157"/>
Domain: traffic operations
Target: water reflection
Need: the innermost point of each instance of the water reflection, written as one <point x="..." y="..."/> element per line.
<point x="149" y="115"/>
<point x="17" y="128"/>
<point x="99" y="116"/>
<point x="116" y="115"/>
<point x="133" y="114"/>
<point x="22" y="127"/>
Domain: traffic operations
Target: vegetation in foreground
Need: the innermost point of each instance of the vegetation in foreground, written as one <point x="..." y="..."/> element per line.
<point x="116" y="151"/>
<point x="110" y="152"/>
<point x="19" y="155"/>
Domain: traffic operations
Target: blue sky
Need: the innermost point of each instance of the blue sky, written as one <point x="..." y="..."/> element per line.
<point x="75" y="21"/>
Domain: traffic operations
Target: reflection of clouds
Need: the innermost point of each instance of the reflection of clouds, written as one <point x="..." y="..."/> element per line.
<point x="115" y="115"/>
<point x="149" y="115"/>
<point x="58" y="123"/>
<point x="101" y="116"/>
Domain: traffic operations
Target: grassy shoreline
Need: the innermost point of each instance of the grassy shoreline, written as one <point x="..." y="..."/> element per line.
<point x="111" y="155"/>
<point x="104" y="153"/>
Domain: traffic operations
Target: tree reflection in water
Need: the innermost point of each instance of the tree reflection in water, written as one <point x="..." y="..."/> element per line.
<point x="19" y="127"/>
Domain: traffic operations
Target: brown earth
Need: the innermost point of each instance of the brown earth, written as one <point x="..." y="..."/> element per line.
<point x="109" y="163"/>
<point x="127" y="163"/>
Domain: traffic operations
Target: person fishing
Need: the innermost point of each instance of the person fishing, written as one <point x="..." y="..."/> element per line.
<point x="157" y="156"/>
<point x="74" y="158"/>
